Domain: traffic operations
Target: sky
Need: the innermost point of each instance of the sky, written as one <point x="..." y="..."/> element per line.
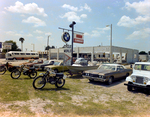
<point x="35" y="20"/>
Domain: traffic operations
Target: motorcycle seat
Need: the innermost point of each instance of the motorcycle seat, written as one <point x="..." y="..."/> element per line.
<point x="32" y="68"/>
<point x="59" y="74"/>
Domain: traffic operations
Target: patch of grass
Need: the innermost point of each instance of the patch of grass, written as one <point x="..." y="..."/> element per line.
<point x="77" y="97"/>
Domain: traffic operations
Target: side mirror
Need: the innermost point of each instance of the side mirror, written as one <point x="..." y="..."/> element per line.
<point x="131" y="66"/>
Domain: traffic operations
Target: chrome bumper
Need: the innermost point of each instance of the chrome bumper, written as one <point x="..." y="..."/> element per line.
<point x="95" y="78"/>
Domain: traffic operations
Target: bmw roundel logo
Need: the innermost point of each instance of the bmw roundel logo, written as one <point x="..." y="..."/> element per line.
<point x="65" y="37"/>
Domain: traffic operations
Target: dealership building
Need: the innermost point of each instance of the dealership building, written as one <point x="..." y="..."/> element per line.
<point x="96" y="53"/>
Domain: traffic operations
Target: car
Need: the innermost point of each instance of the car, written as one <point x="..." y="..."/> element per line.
<point x="34" y="62"/>
<point x="42" y="65"/>
<point x="58" y="66"/>
<point x="140" y="78"/>
<point x="107" y="73"/>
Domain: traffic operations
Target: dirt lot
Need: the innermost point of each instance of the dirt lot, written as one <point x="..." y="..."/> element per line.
<point x="92" y="99"/>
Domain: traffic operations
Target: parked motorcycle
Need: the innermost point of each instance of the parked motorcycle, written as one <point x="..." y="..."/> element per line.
<point x="49" y="77"/>
<point x="5" y="67"/>
<point x="30" y="71"/>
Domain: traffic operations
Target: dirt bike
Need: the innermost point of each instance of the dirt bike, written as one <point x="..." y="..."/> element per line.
<point x="30" y="71"/>
<point x="49" y="77"/>
<point x="5" y="67"/>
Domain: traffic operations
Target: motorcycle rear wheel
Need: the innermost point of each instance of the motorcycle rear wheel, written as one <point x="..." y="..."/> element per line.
<point x="39" y="82"/>
<point x="2" y="70"/>
<point x="60" y="83"/>
<point x="15" y="74"/>
<point x="33" y="74"/>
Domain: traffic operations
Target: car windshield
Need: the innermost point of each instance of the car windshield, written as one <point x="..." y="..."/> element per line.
<point x="107" y="67"/>
<point x="56" y="63"/>
<point x="35" y="61"/>
<point x="45" y="62"/>
<point x="142" y="67"/>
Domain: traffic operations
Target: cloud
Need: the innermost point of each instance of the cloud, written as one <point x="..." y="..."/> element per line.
<point x="83" y="16"/>
<point x="12" y="33"/>
<point x="141" y="7"/>
<point x="126" y="21"/>
<point x="72" y="8"/>
<point x="97" y="32"/>
<point x="48" y="33"/>
<point x="31" y="8"/>
<point x="72" y="16"/>
<point x="141" y="34"/>
<point x="86" y="7"/>
<point x="37" y="22"/>
<point x="38" y="31"/>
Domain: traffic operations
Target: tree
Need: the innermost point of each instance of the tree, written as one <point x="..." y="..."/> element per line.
<point x="22" y="40"/>
<point x="14" y="46"/>
<point x="142" y="52"/>
<point x="48" y="47"/>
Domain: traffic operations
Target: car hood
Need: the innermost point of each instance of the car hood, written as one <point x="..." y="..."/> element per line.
<point x="39" y="64"/>
<point x="141" y="73"/>
<point x="51" y="66"/>
<point x="97" y="71"/>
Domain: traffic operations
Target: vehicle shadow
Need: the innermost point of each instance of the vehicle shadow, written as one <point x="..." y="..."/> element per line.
<point x="52" y="89"/>
<point x="142" y="91"/>
<point x="104" y="84"/>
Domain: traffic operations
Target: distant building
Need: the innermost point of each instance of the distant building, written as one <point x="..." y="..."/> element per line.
<point x="96" y="53"/>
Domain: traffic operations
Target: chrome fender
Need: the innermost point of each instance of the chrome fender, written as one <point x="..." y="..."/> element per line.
<point x="129" y="79"/>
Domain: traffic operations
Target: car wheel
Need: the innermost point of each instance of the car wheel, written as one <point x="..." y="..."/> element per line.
<point x="56" y="70"/>
<point x="91" y="80"/>
<point x="129" y="87"/>
<point x="110" y="80"/>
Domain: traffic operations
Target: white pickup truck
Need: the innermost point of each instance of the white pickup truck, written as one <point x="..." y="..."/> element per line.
<point x="140" y="78"/>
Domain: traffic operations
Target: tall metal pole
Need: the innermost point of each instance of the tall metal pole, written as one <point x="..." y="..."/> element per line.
<point x="47" y="45"/>
<point x="111" y="44"/>
<point x="72" y="45"/>
<point x="72" y="26"/>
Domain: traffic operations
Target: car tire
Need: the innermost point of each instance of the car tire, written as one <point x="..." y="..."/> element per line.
<point x="129" y="87"/>
<point x="110" y="80"/>
<point x="56" y="70"/>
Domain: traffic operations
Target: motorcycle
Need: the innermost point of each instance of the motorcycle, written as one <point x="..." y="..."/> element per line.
<point x="5" y="67"/>
<point x="30" y="71"/>
<point x="49" y="77"/>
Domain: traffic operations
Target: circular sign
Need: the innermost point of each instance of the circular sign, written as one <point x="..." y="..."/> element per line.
<point x="65" y="37"/>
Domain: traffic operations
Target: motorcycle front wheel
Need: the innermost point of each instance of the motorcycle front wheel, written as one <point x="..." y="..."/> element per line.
<point x="33" y="74"/>
<point x="39" y="82"/>
<point x="2" y="70"/>
<point x="60" y="83"/>
<point x="15" y="74"/>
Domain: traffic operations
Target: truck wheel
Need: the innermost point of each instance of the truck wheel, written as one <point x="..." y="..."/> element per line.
<point x="129" y="87"/>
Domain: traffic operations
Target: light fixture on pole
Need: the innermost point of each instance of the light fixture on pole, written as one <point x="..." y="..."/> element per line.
<point x="110" y="42"/>
<point x="47" y="45"/>
<point x="72" y="26"/>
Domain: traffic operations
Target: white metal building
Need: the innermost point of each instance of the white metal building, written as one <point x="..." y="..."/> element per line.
<point x="98" y="53"/>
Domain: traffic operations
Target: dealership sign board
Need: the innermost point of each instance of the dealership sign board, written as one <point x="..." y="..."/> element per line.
<point x="78" y="38"/>
<point x="7" y="46"/>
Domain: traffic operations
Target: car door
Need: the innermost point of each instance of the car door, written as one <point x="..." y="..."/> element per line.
<point x="120" y="71"/>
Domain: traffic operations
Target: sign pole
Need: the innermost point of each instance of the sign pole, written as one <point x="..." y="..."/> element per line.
<point x="72" y="26"/>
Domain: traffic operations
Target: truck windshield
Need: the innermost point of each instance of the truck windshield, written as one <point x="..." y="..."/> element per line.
<point x="142" y="67"/>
